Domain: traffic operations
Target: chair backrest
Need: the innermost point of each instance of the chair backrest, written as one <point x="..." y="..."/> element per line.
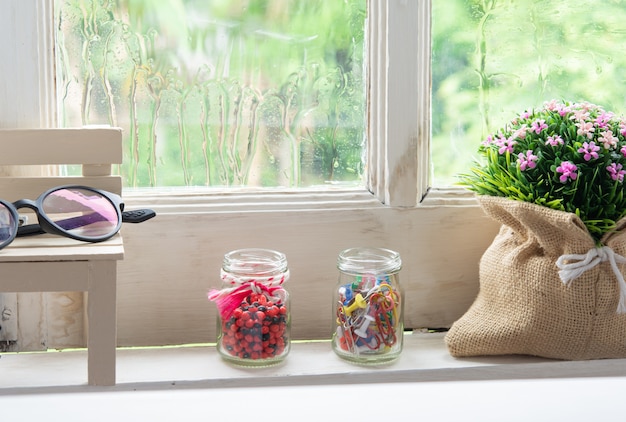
<point x="95" y="149"/>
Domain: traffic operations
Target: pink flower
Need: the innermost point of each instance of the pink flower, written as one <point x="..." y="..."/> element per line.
<point x="563" y="109"/>
<point x="623" y="150"/>
<point x="580" y="115"/>
<point x="520" y="133"/>
<point x="586" y="106"/>
<point x="552" y="105"/>
<point x="568" y="171"/>
<point x="603" y="119"/>
<point x="527" y="160"/>
<point x="585" y="129"/>
<point x="608" y="139"/>
<point x="554" y="141"/>
<point x="590" y="150"/>
<point x="616" y="172"/>
<point x="505" y="144"/>
<point x="538" y="126"/>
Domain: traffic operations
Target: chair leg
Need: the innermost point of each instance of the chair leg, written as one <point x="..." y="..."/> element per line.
<point x="102" y="322"/>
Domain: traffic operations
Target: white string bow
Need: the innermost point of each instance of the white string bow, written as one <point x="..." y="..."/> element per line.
<point x="580" y="263"/>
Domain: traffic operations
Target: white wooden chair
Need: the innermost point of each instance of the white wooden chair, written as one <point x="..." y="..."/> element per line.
<point x="49" y="263"/>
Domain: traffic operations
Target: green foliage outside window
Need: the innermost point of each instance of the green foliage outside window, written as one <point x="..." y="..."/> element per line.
<point x="272" y="92"/>
<point x="493" y="58"/>
<point x="219" y="93"/>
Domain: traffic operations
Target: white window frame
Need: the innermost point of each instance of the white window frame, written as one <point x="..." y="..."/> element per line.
<point x="440" y="233"/>
<point x="399" y="63"/>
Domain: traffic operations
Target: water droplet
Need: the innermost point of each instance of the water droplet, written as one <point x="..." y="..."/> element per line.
<point x="155" y="83"/>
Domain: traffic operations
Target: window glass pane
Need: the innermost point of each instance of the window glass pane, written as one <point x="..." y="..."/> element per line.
<point x="493" y="59"/>
<point x="259" y="93"/>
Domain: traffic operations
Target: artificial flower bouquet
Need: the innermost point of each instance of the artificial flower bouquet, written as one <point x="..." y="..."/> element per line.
<point x="552" y="282"/>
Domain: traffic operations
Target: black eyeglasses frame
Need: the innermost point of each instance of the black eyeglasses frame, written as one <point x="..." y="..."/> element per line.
<point x="46" y="225"/>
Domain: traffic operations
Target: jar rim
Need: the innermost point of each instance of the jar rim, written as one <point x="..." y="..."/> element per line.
<point x="257" y="261"/>
<point x="369" y="260"/>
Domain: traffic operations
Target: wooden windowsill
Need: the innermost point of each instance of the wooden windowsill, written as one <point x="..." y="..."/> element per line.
<point x="424" y="358"/>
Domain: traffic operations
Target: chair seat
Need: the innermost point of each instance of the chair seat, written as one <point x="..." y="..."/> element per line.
<point x="48" y="247"/>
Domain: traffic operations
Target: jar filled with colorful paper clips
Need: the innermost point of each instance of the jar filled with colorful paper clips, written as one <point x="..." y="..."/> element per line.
<point x="253" y="327"/>
<point x="367" y="306"/>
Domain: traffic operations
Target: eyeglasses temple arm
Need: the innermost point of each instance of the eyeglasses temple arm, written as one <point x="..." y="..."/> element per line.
<point x="135" y="216"/>
<point x="29" y="230"/>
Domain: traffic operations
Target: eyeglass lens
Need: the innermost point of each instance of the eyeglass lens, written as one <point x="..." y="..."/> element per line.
<point x="81" y="212"/>
<point x="8" y="225"/>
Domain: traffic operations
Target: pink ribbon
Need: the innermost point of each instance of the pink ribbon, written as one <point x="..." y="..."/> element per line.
<point x="228" y="299"/>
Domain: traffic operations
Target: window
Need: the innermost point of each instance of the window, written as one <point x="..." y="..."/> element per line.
<point x="225" y="93"/>
<point x="171" y="262"/>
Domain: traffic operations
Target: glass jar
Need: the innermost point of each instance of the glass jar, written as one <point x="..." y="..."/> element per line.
<point x="253" y="327"/>
<point x="367" y="306"/>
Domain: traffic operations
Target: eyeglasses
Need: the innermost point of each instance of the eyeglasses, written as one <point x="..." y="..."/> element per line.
<point x="77" y="212"/>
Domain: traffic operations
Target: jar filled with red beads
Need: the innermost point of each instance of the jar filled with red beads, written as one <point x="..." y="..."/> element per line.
<point x="367" y="306"/>
<point x="253" y="308"/>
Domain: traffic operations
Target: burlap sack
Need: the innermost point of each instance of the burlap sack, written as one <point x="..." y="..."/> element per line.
<point x="525" y="307"/>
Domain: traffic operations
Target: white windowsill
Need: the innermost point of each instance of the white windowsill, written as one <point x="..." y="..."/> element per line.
<point x="424" y="359"/>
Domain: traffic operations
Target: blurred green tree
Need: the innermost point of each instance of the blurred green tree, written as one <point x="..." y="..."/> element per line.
<point x="493" y="59"/>
<point x="222" y="93"/>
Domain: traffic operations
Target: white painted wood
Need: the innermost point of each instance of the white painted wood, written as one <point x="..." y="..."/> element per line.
<point x="399" y="132"/>
<point x="48" y="247"/>
<point x="195" y="244"/>
<point x="87" y="145"/>
<point x="101" y="319"/>
<point x="424" y="359"/>
<point x="578" y="399"/>
<point x="32" y="320"/>
<point x="377" y="102"/>
<point x="423" y="97"/>
<point x="403" y="128"/>
<point x="32" y="187"/>
<point x="398" y="122"/>
<point x="27" y="276"/>
<point x="27" y="65"/>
